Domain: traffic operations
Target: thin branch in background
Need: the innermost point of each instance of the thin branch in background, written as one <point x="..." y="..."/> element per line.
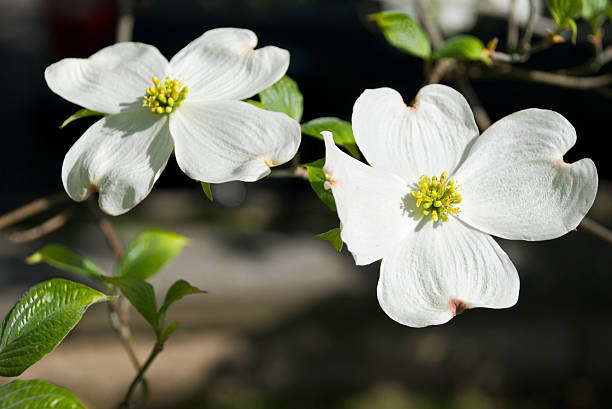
<point x="559" y="80"/>
<point x="480" y="114"/>
<point x="429" y="23"/>
<point x="119" y="320"/>
<point x="37" y="206"/>
<point x="42" y="229"/>
<point x="440" y="69"/>
<point x="528" y="33"/>
<point x="125" y="22"/>
<point x="596" y="229"/>
<point x="512" y="36"/>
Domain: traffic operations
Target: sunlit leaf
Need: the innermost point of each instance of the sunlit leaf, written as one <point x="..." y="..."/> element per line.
<point x="258" y="104"/>
<point x="463" y="47"/>
<point x="148" y="252"/>
<point x="36" y="394"/>
<point x="403" y="33"/>
<point x="284" y="96"/>
<point x="595" y="12"/>
<point x="65" y="259"/>
<point x="81" y="113"/>
<point x="40" y="320"/>
<point x="564" y="12"/>
<point x="341" y="130"/>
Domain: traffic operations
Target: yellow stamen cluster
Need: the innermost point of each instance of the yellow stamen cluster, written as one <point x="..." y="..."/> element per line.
<point x="438" y="197"/>
<point x="164" y="97"/>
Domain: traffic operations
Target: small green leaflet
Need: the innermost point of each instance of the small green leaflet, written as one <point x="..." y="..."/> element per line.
<point x="333" y="236"/>
<point x="283" y="96"/>
<point x="36" y="394"/>
<point x="317" y="180"/>
<point x="595" y="12"/>
<point x="81" y="113"/>
<point x="463" y="47"/>
<point x="148" y="252"/>
<point x="403" y="33"/>
<point x="564" y="12"/>
<point x="207" y="191"/>
<point x="178" y="290"/>
<point x="65" y="259"/>
<point x="256" y="103"/>
<point x="40" y="320"/>
<point x="341" y="130"/>
<point x="140" y="294"/>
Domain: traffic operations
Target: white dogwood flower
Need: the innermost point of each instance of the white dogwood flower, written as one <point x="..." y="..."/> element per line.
<point x="436" y="191"/>
<point x="191" y="104"/>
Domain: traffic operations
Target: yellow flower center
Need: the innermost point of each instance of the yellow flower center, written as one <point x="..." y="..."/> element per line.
<point x="438" y="197"/>
<point x="164" y="97"/>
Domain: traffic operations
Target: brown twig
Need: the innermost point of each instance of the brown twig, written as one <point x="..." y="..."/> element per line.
<point x="480" y="114"/>
<point x="528" y="33"/>
<point x="50" y="225"/>
<point x="36" y="206"/>
<point x="429" y="24"/>
<point x="596" y="229"/>
<point x="512" y="35"/>
<point x="119" y="320"/>
<point x="544" y="77"/>
<point x="440" y="69"/>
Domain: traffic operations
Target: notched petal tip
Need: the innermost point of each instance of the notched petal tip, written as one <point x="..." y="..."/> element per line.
<point x="456" y="307"/>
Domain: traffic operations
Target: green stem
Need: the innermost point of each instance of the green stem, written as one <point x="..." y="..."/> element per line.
<point x="125" y="404"/>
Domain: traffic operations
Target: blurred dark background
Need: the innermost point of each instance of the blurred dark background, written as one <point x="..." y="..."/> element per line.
<point x="309" y="332"/>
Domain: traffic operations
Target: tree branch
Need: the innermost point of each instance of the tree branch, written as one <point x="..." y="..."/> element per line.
<point x="30" y="209"/>
<point x="596" y="229"/>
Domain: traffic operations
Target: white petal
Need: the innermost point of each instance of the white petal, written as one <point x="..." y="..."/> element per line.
<point x="429" y="138"/>
<point x="112" y="80"/>
<point x="442" y="270"/>
<point x="371" y="204"/>
<point x="231" y="140"/>
<point x="515" y="183"/>
<point x="121" y="156"/>
<point x="223" y="64"/>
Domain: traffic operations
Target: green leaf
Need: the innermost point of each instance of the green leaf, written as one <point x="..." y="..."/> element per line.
<point x="36" y="394"/>
<point x="178" y="290"/>
<point x="594" y="12"/>
<point x="168" y="331"/>
<point x="148" y="252"/>
<point x="40" y="320"/>
<point x="463" y="47"/>
<point x="207" y="191"/>
<point x="81" y="113"/>
<point x="403" y="33"/>
<point x="256" y="103"/>
<point x="284" y="96"/>
<point x="317" y="180"/>
<point x="342" y="131"/>
<point x="67" y="260"/>
<point x="333" y="236"/>
<point x="564" y="12"/>
<point x="140" y="294"/>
